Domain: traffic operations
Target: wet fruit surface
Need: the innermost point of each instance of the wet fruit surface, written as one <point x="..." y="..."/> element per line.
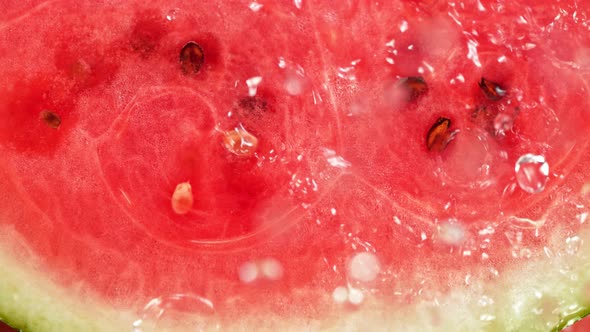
<point x="173" y="160"/>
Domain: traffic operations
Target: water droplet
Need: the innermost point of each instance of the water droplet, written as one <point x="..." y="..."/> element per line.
<point x="348" y="73"/>
<point x="255" y="6"/>
<point x="248" y="272"/>
<point x="529" y="46"/>
<point x="403" y="26"/>
<point x="355" y="296"/>
<point x="253" y="83"/>
<point x="485" y="301"/>
<point x="298" y="3"/>
<point x="271" y="269"/>
<point x="182" y="199"/>
<point x="335" y="160"/>
<point x="472" y="52"/>
<point x="294" y="84"/>
<point x="573" y="244"/>
<point x="487" y="317"/>
<point x="451" y="232"/>
<point x="172" y="13"/>
<point x="525" y="253"/>
<point x="532" y="172"/>
<point x="582" y="217"/>
<point x="188" y="310"/>
<point x="487" y="231"/>
<point x="240" y="142"/>
<point x="364" y="267"/>
<point x="340" y="294"/>
<point x="503" y="123"/>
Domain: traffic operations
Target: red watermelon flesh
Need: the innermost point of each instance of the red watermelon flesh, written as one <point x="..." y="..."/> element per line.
<point x="342" y="200"/>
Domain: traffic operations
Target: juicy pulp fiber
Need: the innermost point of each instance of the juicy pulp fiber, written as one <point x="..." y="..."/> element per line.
<point x="341" y="166"/>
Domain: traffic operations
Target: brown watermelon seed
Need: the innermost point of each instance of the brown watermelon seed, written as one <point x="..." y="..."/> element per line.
<point x="191" y="58"/>
<point x="415" y="86"/>
<point x="492" y="90"/>
<point x="440" y="135"/>
<point x="50" y="118"/>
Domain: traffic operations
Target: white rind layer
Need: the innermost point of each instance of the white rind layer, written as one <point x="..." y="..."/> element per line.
<point x="535" y="295"/>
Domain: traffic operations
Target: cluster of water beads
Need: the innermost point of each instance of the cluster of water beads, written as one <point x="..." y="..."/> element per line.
<point x="362" y="269"/>
<point x="194" y="312"/>
<point x="348" y="294"/>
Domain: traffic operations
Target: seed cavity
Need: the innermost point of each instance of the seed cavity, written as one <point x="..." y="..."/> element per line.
<point x="147" y="33"/>
<point x="415" y="87"/>
<point x="253" y="105"/>
<point x="50" y="118"/>
<point x="440" y="135"/>
<point x="240" y="142"/>
<point x="492" y="90"/>
<point x="182" y="198"/>
<point x="191" y="58"/>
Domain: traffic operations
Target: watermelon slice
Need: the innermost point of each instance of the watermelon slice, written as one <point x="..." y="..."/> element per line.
<point x="294" y="165"/>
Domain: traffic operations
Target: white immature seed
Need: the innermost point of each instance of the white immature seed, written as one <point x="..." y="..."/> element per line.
<point x="182" y="198"/>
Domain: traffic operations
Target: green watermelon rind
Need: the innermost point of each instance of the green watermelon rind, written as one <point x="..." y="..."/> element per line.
<point x="29" y="300"/>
